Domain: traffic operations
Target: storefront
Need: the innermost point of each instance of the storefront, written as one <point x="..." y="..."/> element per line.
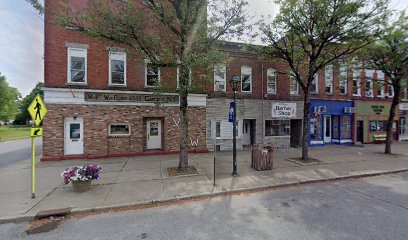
<point x="403" y="120"/>
<point x="259" y="121"/>
<point x="371" y="120"/>
<point x="330" y="122"/>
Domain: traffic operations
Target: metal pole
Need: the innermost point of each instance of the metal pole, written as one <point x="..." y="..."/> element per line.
<point x="234" y="141"/>
<point x="33" y="177"/>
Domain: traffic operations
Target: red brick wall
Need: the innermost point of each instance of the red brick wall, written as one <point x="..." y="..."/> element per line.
<point x="98" y="117"/>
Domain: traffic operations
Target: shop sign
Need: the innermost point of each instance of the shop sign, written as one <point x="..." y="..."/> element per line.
<point x="131" y="97"/>
<point x="378" y="109"/>
<point x="283" y="110"/>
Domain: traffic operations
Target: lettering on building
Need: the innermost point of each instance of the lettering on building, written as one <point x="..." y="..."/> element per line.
<point x="131" y="97"/>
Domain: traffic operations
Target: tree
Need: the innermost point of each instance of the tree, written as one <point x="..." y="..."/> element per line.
<point x="38" y="5"/>
<point x="389" y="54"/>
<point x="311" y="34"/>
<point x="8" y="100"/>
<point x="23" y="116"/>
<point x="175" y="33"/>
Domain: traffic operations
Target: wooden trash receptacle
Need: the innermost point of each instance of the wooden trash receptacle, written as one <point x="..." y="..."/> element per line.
<point x="262" y="157"/>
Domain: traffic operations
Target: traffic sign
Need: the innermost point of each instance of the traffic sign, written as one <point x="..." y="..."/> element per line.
<point x="37" y="110"/>
<point x="36" y="132"/>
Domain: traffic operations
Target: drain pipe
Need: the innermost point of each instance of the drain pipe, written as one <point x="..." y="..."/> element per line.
<point x="263" y="121"/>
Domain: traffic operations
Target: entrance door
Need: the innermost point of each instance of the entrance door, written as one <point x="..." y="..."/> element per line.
<point x="73" y="136"/>
<point x="360" y="132"/>
<point x="327" y="129"/>
<point x="154" y="134"/>
<point x="247" y="132"/>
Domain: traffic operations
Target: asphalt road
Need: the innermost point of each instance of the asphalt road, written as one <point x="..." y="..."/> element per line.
<point x="17" y="150"/>
<point x="370" y="208"/>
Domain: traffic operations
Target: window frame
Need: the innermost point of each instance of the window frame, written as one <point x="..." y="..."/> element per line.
<point x="216" y="68"/>
<point x="246" y="70"/>
<point x="381" y="83"/>
<point x="356" y="78"/>
<point x="122" y="57"/>
<point x="328" y="79"/>
<point x="147" y="62"/>
<point x="293" y="93"/>
<point x="271" y="72"/>
<point x="119" y="124"/>
<point x="343" y="79"/>
<point x="284" y="123"/>
<point x="316" y="83"/>
<point x="69" y="65"/>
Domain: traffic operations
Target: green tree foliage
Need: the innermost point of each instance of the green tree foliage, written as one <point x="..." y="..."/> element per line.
<point x="8" y="100"/>
<point x="311" y="34"/>
<point x="23" y="116"/>
<point x="390" y="55"/>
<point x="178" y="33"/>
<point x="38" y="5"/>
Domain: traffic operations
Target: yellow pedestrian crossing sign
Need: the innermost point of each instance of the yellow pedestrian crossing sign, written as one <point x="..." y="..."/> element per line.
<point x="37" y="110"/>
<point x="36" y="132"/>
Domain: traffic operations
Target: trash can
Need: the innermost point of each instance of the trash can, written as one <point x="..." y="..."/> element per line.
<point x="262" y="156"/>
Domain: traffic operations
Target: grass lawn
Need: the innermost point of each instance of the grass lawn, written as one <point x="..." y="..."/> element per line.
<point x="8" y="133"/>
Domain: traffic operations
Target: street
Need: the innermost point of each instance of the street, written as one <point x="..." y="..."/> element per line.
<point x="369" y="208"/>
<point x="17" y="150"/>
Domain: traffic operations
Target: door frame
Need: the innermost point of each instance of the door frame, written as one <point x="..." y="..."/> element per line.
<point x="67" y="122"/>
<point x="361" y="135"/>
<point x="330" y="130"/>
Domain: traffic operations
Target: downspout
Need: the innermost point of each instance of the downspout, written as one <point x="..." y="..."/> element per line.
<point x="263" y="121"/>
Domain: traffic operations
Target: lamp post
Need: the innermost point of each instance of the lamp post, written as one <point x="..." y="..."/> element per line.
<point x="235" y="80"/>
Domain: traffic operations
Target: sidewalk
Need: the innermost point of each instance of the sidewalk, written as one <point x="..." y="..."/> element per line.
<point x="136" y="180"/>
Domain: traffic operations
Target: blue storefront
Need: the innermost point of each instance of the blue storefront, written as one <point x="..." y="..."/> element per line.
<point x="330" y="122"/>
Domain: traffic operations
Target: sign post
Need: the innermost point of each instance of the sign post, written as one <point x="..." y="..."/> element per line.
<point x="37" y="112"/>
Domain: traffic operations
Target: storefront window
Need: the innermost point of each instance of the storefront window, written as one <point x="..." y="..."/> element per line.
<point x="277" y="128"/>
<point x="335" y="126"/>
<point x="316" y="127"/>
<point x="377" y="126"/>
<point x="345" y="127"/>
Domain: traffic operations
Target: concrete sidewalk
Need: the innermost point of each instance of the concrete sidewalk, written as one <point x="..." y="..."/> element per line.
<point x="136" y="180"/>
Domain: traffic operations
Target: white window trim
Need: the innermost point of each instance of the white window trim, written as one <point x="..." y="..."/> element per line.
<point x="356" y="76"/>
<point x="159" y="72"/>
<point x="316" y="81"/>
<point x="328" y="81"/>
<point x="369" y="79"/>
<point x="69" y="65"/>
<point x="122" y="58"/>
<point x="119" y="135"/>
<point x="272" y="72"/>
<point x="382" y="82"/>
<point x="246" y="73"/>
<point x="223" y="67"/>
<point x="294" y="93"/>
<point x="390" y="93"/>
<point x="343" y="69"/>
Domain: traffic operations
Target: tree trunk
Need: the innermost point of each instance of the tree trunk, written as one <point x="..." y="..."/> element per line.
<point x="391" y="116"/>
<point x="305" y="137"/>
<point x="183" y="161"/>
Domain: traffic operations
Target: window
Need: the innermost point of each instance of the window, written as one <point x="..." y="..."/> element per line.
<point x="378" y="126"/>
<point x="380" y="84"/>
<point x="328" y="74"/>
<point x="119" y="129"/>
<point x="356" y="83"/>
<point x="271" y="78"/>
<point x="294" y="86"/>
<point x="404" y="91"/>
<point x="277" y="127"/>
<point x="153" y="75"/>
<point x="77" y="62"/>
<point x="369" y="83"/>
<point x="218" y="129"/>
<point x="343" y="80"/>
<point x="390" y="90"/>
<point x="117" y="66"/>
<point x="314" y="88"/>
<point x="246" y="79"/>
<point x="220" y="76"/>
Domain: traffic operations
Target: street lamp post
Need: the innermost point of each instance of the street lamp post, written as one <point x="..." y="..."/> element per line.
<point x="234" y="84"/>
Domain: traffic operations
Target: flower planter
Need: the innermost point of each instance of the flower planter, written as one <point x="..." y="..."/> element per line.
<point x="81" y="186"/>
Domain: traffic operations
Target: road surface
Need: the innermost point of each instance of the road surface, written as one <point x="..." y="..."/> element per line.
<point x="370" y="208"/>
<point x="17" y="150"/>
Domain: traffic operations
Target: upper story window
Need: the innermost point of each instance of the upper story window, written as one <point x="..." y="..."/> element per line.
<point x="343" y="80"/>
<point x="246" y="79"/>
<point x="380" y="84"/>
<point x="328" y="79"/>
<point x="314" y="87"/>
<point x="153" y="75"/>
<point x="220" y="77"/>
<point x="271" y="78"/>
<point x="77" y="62"/>
<point x="390" y="90"/>
<point x="369" y="83"/>
<point x="117" y="68"/>
<point x="294" y="86"/>
<point x="356" y="83"/>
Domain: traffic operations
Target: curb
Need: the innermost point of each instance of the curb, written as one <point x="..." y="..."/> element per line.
<point x="199" y="197"/>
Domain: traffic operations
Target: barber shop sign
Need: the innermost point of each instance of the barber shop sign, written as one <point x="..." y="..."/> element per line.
<point x="283" y="110"/>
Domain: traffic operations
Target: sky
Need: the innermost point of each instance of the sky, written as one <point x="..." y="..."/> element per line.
<point x="22" y="40"/>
